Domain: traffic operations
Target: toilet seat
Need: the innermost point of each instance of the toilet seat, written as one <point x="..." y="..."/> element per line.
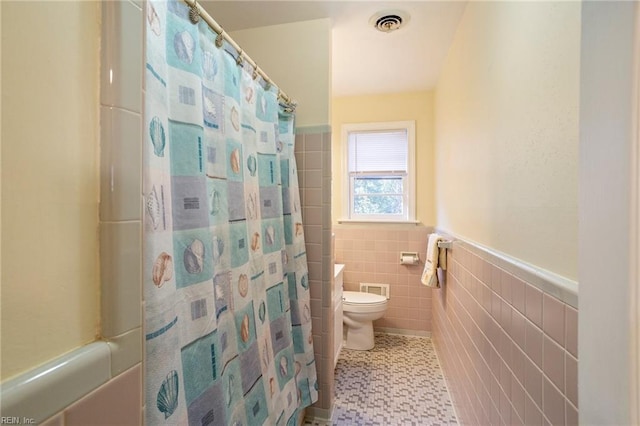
<point x="357" y="298"/>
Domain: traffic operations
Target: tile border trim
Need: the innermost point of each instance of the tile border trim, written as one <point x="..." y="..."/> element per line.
<point x="562" y="288"/>
<point x="309" y="130"/>
<point x="46" y="390"/>
<point x="52" y="387"/>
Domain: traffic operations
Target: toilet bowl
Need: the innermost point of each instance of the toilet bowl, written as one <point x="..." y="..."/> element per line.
<point x="359" y="311"/>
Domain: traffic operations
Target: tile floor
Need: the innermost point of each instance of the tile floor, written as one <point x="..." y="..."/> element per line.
<point x="399" y="382"/>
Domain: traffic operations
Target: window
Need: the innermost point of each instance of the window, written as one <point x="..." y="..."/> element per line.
<point x="379" y="163"/>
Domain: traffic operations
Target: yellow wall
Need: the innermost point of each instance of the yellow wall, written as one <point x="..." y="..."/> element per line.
<point x="417" y="106"/>
<point x="50" y="276"/>
<point x="507" y="131"/>
<point x="297" y="57"/>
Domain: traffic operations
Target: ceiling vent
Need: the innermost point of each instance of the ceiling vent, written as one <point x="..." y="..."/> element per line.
<point x="389" y="20"/>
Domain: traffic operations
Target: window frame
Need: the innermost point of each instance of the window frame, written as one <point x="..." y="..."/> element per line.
<point x="408" y="180"/>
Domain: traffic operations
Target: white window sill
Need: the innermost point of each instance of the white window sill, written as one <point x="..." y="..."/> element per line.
<point x="407" y="222"/>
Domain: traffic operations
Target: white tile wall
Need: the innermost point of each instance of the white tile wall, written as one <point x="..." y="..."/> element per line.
<point x="122" y="55"/>
<point x="120" y="158"/>
<point x="121" y="171"/>
<point x="120" y="256"/>
<point x="126" y="350"/>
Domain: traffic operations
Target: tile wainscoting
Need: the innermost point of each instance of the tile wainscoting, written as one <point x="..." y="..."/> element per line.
<point x="371" y="254"/>
<point x="508" y="349"/>
<point x="313" y="158"/>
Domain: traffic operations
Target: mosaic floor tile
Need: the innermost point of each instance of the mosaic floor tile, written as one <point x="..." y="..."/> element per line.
<point x="398" y="382"/>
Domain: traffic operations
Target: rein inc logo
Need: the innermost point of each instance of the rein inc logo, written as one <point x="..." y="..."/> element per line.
<point x="15" y="420"/>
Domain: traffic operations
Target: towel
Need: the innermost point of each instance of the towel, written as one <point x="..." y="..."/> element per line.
<point x="435" y="258"/>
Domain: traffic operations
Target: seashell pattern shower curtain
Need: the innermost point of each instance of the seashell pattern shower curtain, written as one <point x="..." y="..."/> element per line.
<point x="226" y="289"/>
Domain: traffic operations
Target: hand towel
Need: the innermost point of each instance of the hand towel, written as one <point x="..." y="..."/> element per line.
<point x="442" y="259"/>
<point x="429" y="274"/>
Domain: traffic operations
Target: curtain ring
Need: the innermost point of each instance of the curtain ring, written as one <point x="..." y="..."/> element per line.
<point x="239" y="59"/>
<point x="255" y="72"/>
<point x="267" y="85"/>
<point x="219" y="40"/>
<point x="194" y="13"/>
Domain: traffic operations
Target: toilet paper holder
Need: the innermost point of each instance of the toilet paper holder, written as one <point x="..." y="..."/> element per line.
<point x="409" y="258"/>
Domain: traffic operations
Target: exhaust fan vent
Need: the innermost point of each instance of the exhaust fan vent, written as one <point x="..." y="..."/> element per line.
<point x="389" y="21"/>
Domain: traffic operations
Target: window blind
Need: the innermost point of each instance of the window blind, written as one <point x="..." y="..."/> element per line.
<point x="378" y="151"/>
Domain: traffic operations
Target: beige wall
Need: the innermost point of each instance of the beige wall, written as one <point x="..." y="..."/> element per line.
<point x="50" y="276"/>
<point x="297" y="57"/>
<point x="416" y="106"/>
<point x="507" y="131"/>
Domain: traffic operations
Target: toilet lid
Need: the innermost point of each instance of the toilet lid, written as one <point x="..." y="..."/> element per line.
<point x="360" y="298"/>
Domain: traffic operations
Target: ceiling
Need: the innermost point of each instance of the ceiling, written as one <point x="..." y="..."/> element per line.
<point x="364" y="60"/>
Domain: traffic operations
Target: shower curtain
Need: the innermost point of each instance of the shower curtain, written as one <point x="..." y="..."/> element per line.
<point x="226" y="289"/>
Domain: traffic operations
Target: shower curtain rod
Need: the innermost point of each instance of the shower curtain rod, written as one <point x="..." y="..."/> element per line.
<point x="197" y="12"/>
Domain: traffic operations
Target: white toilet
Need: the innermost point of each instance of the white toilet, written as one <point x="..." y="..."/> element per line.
<point x="359" y="311"/>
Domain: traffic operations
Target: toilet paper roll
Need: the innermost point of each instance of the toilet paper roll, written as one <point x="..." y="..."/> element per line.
<point x="408" y="260"/>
